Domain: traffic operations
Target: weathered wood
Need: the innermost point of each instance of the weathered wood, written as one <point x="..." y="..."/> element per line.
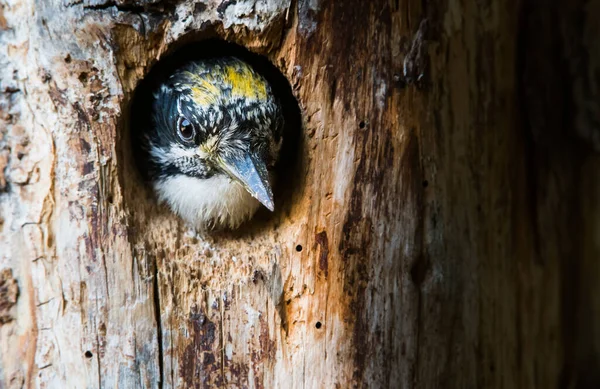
<point x="440" y="229"/>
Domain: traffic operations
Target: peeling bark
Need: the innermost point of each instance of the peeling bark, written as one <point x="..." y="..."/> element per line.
<point x="439" y="230"/>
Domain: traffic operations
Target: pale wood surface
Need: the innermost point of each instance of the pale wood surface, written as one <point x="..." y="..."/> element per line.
<point x="446" y="202"/>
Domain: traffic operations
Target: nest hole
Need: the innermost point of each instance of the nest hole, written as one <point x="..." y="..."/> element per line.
<point x="289" y="178"/>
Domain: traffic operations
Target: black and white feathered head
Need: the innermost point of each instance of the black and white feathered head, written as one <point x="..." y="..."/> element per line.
<point x="215" y="134"/>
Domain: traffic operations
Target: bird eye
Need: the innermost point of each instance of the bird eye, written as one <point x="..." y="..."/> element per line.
<point x="185" y="129"/>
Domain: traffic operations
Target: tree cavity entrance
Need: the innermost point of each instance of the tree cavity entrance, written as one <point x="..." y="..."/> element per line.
<point x="285" y="176"/>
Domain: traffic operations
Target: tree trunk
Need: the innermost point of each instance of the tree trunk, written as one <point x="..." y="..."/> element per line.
<point x="441" y="229"/>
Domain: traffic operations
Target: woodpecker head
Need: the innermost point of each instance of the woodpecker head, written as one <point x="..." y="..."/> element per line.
<point x="214" y="136"/>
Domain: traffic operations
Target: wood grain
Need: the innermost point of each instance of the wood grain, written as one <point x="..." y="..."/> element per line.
<point x="436" y="220"/>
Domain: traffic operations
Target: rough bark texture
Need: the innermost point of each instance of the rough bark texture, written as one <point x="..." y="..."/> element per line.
<point x="441" y="230"/>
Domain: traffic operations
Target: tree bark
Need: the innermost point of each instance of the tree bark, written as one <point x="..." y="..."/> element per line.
<point x="440" y="230"/>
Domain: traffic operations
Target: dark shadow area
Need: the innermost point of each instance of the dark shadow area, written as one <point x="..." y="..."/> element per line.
<point x="289" y="168"/>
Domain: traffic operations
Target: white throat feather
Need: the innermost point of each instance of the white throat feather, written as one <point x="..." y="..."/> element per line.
<point x="217" y="201"/>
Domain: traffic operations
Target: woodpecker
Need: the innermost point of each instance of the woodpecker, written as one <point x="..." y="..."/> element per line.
<point x="212" y="142"/>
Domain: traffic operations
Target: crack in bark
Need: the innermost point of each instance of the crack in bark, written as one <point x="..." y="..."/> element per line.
<point x="159" y="7"/>
<point x="119" y="7"/>
<point x="221" y="306"/>
<point x="290" y="18"/>
<point x="158" y="326"/>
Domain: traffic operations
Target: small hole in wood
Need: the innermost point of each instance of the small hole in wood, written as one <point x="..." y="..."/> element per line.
<point x="419" y="270"/>
<point x="68" y="58"/>
<point x="88" y="354"/>
<point x="318" y="325"/>
<point x="83" y="77"/>
<point x="425" y="184"/>
<point x="299" y="248"/>
<point x="362" y="125"/>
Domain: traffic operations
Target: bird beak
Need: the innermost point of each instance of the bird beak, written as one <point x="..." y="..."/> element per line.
<point x="251" y="172"/>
